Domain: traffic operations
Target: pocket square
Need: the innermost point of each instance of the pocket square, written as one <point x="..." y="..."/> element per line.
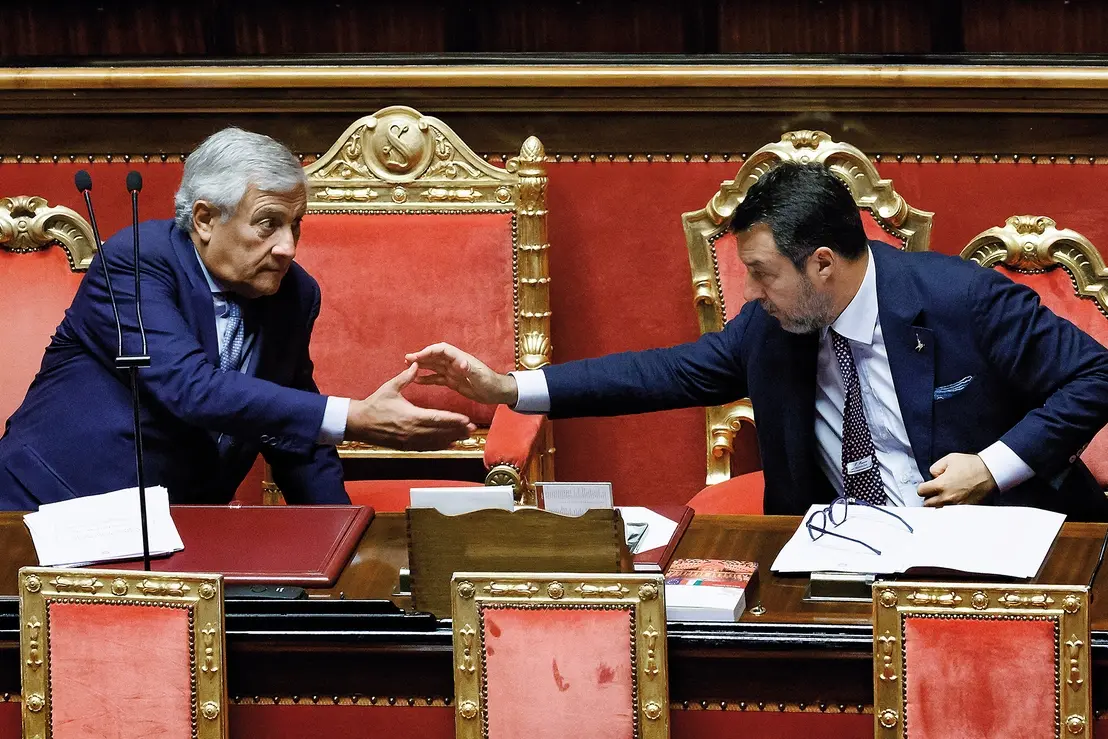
<point x="949" y="391"/>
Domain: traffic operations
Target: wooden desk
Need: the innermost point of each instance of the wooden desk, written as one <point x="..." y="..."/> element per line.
<point x="349" y="660"/>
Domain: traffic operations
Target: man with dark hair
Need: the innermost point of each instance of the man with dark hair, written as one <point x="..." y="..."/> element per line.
<point x="885" y="376"/>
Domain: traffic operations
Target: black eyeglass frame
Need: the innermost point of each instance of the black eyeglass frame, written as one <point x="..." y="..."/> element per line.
<point x="830" y="513"/>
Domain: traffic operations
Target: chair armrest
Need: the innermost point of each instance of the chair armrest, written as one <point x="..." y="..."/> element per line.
<point x="513" y="438"/>
<point x="739" y="495"/>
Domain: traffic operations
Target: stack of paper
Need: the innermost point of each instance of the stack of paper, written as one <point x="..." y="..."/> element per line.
<point x="102" y="528"/>
<point x="455" y="501"/>
<point x="987" y="540"/>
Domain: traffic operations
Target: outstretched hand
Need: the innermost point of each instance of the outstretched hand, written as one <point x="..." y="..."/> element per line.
<point x="463" y="373"/>
<point x="387" y="418"/>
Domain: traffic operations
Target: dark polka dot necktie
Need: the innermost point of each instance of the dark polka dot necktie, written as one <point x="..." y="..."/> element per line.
<point x="861" y="475"/>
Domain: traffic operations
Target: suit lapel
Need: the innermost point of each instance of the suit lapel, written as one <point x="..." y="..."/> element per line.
<point x="200" y="294"/>
<point x="910" y="347"/>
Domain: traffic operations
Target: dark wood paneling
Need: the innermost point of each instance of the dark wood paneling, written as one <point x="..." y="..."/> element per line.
<point x="1036" y="26"/>
<point x="825" y="27"/>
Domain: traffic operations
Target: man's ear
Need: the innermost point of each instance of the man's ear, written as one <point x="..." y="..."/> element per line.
<point x="204" y="216"/>
<point x="822" y="260"/>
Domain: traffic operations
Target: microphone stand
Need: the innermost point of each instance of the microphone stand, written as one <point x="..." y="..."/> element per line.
<point x="132" y="363"/>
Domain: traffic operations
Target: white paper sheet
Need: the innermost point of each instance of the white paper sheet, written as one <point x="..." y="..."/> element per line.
<point x="989" y="540"/>
<point x="102" y="528"/>
<point x="574" y="498"/>
<point x="454" y="501"/>
<point x="659" y="529"/>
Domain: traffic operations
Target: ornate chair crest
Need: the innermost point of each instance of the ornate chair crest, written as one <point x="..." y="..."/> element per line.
<point x="717" y="273"/>
<point x="958" y="659"/>
<point x="34" y="287"/>
<point x="123" y="654"/>
<point x="1031" y="249"/>
<point x="547" y="655"/>
<point x="414" y="239"/>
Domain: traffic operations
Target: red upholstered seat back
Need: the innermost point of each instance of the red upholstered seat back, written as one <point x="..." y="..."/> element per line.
<point x="35" y="290"/>
<point x="732" y="272"/>
<point x="1056" y="291"/>
<point x="395" y="283"/>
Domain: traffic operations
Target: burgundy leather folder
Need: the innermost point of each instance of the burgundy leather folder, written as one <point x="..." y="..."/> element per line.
<point x="657" y="560"/>
<point x="286" y="545"/>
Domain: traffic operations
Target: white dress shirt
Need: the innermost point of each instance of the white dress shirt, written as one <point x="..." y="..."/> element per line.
<point x="333" y="428"/>
<point x="900" y="475"/>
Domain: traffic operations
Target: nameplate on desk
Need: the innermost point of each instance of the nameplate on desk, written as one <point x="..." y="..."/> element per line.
<point x="456" y="501"/>
<point x="102" y="528"/>
<point x="574" y="498"/>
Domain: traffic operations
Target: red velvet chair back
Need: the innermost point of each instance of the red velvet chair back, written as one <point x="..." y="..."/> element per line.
<point x="44" y="251"/>
<point x="1067" y="272"/>
<point x="718" y="273"/>
<point x="953" y="660"/>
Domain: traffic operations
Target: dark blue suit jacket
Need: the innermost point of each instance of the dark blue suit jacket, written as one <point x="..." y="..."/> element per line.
<point x="1039" y="384"/>
<point x="73" y="434"/>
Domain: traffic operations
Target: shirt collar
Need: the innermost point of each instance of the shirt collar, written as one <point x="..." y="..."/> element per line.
<point x="858" y="321"/>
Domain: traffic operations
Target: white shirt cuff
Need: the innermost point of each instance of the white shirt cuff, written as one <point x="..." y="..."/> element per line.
<point x="333" y="428"/>
<point x="1007" y="469"/>
<point x="533" y="394"/>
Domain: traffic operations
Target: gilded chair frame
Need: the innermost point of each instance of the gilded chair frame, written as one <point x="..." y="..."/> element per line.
<point x="370" y="169"/>
<point x="471" y="592"/>
<point x="200" y="595"/>
<point x="1066" y="606"/>
<point x="704" y="227"/>
<point x="29" y="224"/>
<point x="1035" y="244"/>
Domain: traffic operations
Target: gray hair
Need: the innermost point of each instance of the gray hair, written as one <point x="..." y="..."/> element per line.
<point x="226" y="164"/>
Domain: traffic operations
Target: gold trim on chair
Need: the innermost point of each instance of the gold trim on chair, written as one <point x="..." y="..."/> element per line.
<point x="703" y="227"/>
<point x="471" y="593"/>
<point x="200" y="595"/>
<point x="28" y="223"/>
<point x="1067" y="606"/>
<point x="1036" y="244"/>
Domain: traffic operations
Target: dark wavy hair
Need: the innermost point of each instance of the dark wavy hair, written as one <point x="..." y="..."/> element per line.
<point x="805" y="207"/>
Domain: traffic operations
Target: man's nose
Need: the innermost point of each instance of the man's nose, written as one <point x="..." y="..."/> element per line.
<point x="286" y="244"/>
<point x="751" y="290"/>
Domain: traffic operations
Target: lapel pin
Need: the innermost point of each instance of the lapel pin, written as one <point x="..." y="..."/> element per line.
<point x="919" y="344"/>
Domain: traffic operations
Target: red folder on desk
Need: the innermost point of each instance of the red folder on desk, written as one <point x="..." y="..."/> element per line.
<point x="286" y="545"/>
<point x="657" y="560"/>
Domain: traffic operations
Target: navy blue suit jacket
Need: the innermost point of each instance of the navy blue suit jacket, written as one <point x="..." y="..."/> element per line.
<point x="73" y="434"/>
<point x="1039" y="384"/>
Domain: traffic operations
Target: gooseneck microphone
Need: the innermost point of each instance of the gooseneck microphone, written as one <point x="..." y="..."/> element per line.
<point x="83" y="181"/>
<point x="134" y="185"/>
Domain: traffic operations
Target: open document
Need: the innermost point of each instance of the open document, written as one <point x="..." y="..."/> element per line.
<point x="102" y="528"/>
<point x="985" y="540"/>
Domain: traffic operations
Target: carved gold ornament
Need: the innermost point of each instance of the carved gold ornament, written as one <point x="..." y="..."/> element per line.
<point x="466" y="589"/>
<point x="35" y="702"/>
<point x="210" y="710"/>
<point x="888" y="598"/>
<point x="650" y="666"/>
<point x="1012" y="600"/>
<point x="555" y="590"/>
<point x="32" y="584"/>
<point x="467" y="709"/>
<point x="174" y="588"/>
<point x="1073" y="650"/>
<point x="1075" y="724"/>
<point x="119" y="586"/>
<point x="34" y="656"/>
<point x="649" y="591"/>
<point x="652" y="710"/>
<point x="210" y="665"/>
<point x="601" y="591"/>
<point x="887" y="644"/>
<point x="949" y="599"/>
<point x="979" y="600"/>
<point x="28" y="223"/>
<point x="523" y="589"/>
<point x="888" y="718"/>
<point x="76" y="584"/>
<point x="466" y="666"/>
<point x="207" y="591"/>
<point x="1071" y="604"/>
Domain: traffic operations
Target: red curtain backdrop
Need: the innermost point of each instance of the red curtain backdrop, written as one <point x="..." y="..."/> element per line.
<point x="621" y="274"/>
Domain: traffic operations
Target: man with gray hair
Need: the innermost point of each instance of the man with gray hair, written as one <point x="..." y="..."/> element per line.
<point x="228" y="318"/>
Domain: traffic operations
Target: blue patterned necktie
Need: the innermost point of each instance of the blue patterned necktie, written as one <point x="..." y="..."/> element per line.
<point x="234" y="336"/>
<point x="861" y="475"/>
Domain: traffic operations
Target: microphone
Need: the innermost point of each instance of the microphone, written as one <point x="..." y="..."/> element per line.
<point x="134" y="185"/>
<point x="83" y="181"/>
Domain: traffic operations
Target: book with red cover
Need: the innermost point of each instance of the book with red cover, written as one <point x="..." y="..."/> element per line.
<point x="286" y="545"/>
<point x="657" y="560"/>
